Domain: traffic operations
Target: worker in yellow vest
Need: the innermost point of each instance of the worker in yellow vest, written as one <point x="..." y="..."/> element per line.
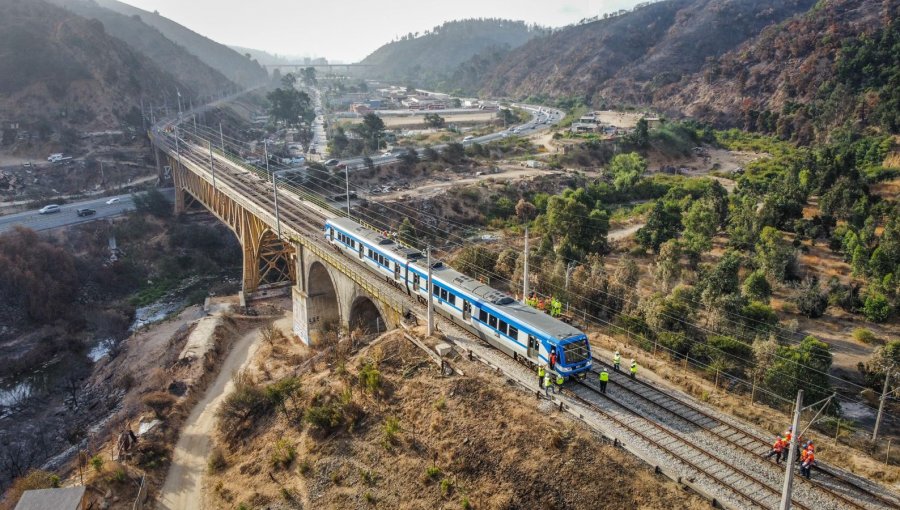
<point x="604" y="379"/>
<point x="541" y="373"/>
<point x="634" y="368"/>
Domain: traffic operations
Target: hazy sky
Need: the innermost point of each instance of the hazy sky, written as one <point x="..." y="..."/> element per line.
<point x="349" y="30"/>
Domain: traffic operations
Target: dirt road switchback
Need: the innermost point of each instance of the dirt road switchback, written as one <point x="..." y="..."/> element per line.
<point x="183" y="488"/>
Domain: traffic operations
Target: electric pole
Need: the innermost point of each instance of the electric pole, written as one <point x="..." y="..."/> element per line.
<point x="792" y="455"/>
<point x="525" y="275"/>
<point x="277" y="217"/>
<point x="222" y="138"/>
<point x="347" y="182"/>
<point x="430" y="295"/>
<point x="887" y="378"/>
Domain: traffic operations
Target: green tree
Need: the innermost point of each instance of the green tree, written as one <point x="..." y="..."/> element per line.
<point x="721" y="279"/>
<point x="308" y="76"/>
<point x="775" y="256"/>
<point x="810" y="300"/>
<point x="476" y="261"/>
<point x="877" y="308"/>
<point x="641" y="134"/>
<point x="407" y="232"/>
<point x="371" y="131"/>
<point x="757" y="287"/>
<point x="288" y="81"/>
<point x="454" y="153"/>
<point x="668" y="264"/>
<point x="805" y="367"/>
<point x="290" y="106"/>
<point x="576" y="228"/>
<point x="153" y="202"/>
<point x="626" y="169"/>
<point x="434" y="120"/>
<point x="663" y="224"/>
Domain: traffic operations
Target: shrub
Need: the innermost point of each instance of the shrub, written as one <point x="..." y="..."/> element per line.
<point x="811" y="301"/>
<point x="432" y="473"/>
<point x="446" y="487"/>
<point x="370" y="499"/>
<point x="216" y="460"/>
<point x="465" y="504"/>
<point x="370" y="378"/>
<point x="97" y="462"/>
<point x="865" y="336"/>
<point x="243" y="406"/>
<point x="440" y="404"/>
<point x="391" y="428"/>
<point x="283" y="454"/>
<point x="159" y="402"/>
<point x="327" y="416"/>
<point x="877" y="308"/>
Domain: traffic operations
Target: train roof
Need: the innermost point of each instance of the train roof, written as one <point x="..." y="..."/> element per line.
<point x="498" y="300"/>
<point x="503" y="302"/>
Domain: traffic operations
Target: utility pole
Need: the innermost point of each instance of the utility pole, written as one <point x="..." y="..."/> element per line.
<point x="212" y="167"/>
<point x="430" y="295"/>
<point x="569" y="269"/>
<point x="177" y="150"/>
<point x="222" y="138"/>
<point x="179" y="101"/>
<point x="347" y="182"/>
<point x="887" y="378"/>
<point x="143" y="118"/>
<point x="266" y="152"/>
<point x="792" y="455"/>
<point x="525" y="276"/>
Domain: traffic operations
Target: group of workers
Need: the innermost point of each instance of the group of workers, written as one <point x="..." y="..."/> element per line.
<point x="806" y="452"/>
<point x="546" y="381"/>
<point x="552" y="306"/>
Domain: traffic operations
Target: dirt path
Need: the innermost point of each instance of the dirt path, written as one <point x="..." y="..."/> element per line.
<point x="433" y="188"/>
<point x="183" y="486"/>
<point x="623" y="232"/>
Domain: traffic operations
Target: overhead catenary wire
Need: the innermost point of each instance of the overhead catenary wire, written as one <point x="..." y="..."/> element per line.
<point x="389" y="221"/>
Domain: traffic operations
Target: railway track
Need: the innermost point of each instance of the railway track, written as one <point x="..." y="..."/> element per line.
<point x="759" y="487"/>
<point x="844" y="493"/>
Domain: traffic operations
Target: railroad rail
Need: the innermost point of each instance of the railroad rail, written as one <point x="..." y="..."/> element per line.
<point x="843" y="491"/>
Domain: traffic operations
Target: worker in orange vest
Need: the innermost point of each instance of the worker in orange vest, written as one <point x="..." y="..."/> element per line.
<point x="808" y="460"/>
<point x="777" y="450"/>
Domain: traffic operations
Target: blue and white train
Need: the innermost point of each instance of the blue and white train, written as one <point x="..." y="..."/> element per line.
<point x="518" y="330"/>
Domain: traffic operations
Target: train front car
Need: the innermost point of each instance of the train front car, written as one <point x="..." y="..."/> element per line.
<point x="575" y="356"/>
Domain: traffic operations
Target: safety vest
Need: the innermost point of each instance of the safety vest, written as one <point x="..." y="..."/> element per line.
<point x="617" y="359"/>
<point x="541" y="371"/>
<point x="803" y="454"/>
<point x="634" y="368"/>
<point x="546" y="380"/>
<point x="810" y="458"/>
<point x="604" y="376"/>
<point x="778" y="446"/>
<point x="787" y="437"/>
<point x="559" y="380"/>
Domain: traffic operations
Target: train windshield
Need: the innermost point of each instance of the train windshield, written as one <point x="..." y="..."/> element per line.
<point x="576" y="351"/>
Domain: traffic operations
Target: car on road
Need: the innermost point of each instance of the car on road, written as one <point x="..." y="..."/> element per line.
<point x="49" y="209"/>
<point x="85" y="212"/>
<point x="331" y="162"/>
<point x="114" y="200"/>
<point x="468" y="139"/>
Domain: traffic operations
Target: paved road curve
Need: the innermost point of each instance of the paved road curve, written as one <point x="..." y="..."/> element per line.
<point x="66" y="217"/>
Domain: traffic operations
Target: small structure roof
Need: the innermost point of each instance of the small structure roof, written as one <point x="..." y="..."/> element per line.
<point x="68" y="498"/>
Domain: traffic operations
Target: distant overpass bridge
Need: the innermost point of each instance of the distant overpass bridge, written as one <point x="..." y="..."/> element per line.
<point x="288" y="250"/>
<point x="329" y="67"/>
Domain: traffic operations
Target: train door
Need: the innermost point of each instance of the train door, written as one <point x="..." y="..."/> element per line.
<point x="396" y="271"/>
<point x="467" y="310"/>
<point x="416" y="282"/>
<point x="332" y="233"/>
<point x="361" y="255"/>
<point x="534" y="348"/>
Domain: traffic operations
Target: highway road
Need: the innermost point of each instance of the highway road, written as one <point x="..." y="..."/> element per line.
<point x="67" y="217"/>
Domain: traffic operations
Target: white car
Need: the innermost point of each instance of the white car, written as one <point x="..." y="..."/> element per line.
<point x="49" y="209"/>
<point x="114" y="200"/>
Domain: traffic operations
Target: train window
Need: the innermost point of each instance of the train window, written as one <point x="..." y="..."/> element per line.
<point x="452" y="299"/>
<point x="435" y="290"/>
<point x="576" y="352"/>
<point x="443" y="294"/>
<point x="502" y="327"/>
<point x="332" y="231"/>
<point x="513" y="332"/>
<point x="482" y="315"/>
<point x="492" y="321"/>
<point x="415" y="280"/>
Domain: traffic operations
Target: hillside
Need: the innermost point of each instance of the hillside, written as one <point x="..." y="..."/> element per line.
<point x="230" y="63"/>
<point x="146" y="39"/>
<point x="58" y="69"/>
<point x="620" y="57"/>
<point x="433" y="55"/>
<point x="837" y="64"/>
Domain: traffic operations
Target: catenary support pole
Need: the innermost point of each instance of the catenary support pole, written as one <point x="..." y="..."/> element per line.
<point x="887" y="379"/>
<point x="525" y="272"/>
<point x="792" y="455"/>
<point x="222" y="138"/>
<point x="277" y="215"/>
<point x="212" y="166"/>
<point x="347" y="183"/>
<point x="430" y="295"/>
